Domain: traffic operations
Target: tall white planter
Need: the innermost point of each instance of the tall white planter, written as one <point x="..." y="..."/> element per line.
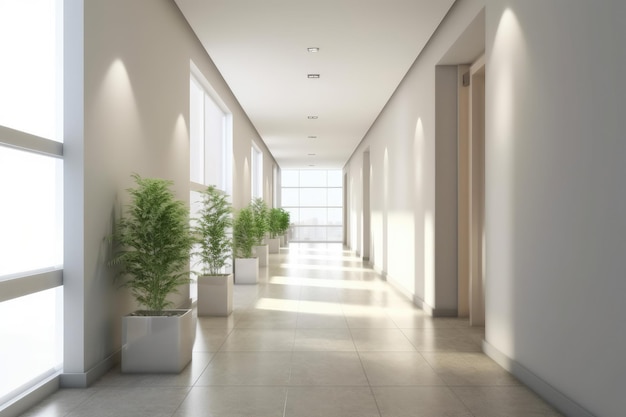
<point x="246" y="270"/>
<point x="262" y="252"/>
<point x="215" y="295"/>
<point x="273" y="245"/>
<point x="154" y="344"/>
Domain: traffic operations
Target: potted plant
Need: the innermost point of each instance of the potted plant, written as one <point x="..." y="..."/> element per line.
<point x="261" y="220"/>
<point x="211" y="227"/>
<point x="244" y="238"/>
<point x="284" y="224"/>
<point x="153" y="247"/>
<point x="274" y="230"/>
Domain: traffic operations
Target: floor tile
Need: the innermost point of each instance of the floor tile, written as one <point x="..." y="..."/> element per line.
<point x="398" y="368"/>
<point x="135" y="401"/>
<point x="321" y="321"/>
<point x="419" y="402"/>
<point x="391" y="340"/>
<point x="245" y="339"/>
<point x="327" y="368"/>
<point x="247" y="368"/>
<point x="510" y="401"/>
<point x="60" y="403"/>
<point x="463" y="368"/>
<point x="330" y="402"/>
<point x="438" y="339"/>
<point x="324" y="339"/>
<point x="234" y="402"/>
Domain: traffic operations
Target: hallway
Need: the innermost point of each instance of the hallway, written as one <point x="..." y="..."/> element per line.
<point x="320" y="335"/>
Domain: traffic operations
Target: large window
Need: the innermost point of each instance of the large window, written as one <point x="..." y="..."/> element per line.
<point x="31" y="186"/>
<point x="257" y="172"/>
<point x="314" y="200"/>
<point x="209" y="135"/>
<point x="210" y="150"/>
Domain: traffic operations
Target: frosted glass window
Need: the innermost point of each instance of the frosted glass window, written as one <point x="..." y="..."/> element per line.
<point x="335" y="216"/>
<point x="335" y="197"/>
<point x="290" y="197"/>
<point x="335" y="178"/>
<point x="31" y="215"/>
<point x="196" y="133"/>
<point x="294" y="214"/>
<point x="32" y="338"/>
<point x="334" y="234"/>
<point x="315" y="206"/>
<point x="312" y="197"/>
<point x="313" y="216"/>
<point x="30" y="74"/>
<point x="210" y="141"/>
<point x="312" y="178"/>
<point x="290" y="178"/>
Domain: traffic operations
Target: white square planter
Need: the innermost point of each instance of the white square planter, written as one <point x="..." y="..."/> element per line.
<point x="262" y="252"/>
<point x="273" y="245"/>
<point x="282" y="240"/>
<point x="157" y="343"/>
<point x="246" y="270"/>
<point x="215" y="295"/>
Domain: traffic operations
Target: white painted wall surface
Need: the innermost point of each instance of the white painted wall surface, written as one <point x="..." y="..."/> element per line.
<point x="136" y="110"/>
<point x="555" y="195"/>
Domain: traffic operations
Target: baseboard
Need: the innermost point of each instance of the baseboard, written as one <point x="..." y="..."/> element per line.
<point x="546" y="391"/>
<point x="85" y="379"/>
<point x="30" y="398"/>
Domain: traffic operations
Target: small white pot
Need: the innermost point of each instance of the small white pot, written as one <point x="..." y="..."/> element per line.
<point x="273" y="245"/>
<point x="246" y="270"/>
<point x="157" y="343"/>
<point x="262" y="252"/>
<point x="215" y="295"/>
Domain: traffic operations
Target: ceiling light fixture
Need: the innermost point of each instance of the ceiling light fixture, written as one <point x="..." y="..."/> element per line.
<point x="313" y="49"/>
<point x="312" y="117"/>
<point x="311" y="154"/>
<point x="313" y="75"/>
<point x="312" y="137"/>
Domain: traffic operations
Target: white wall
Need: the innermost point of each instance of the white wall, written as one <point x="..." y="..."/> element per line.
<point x="555" y="199"/>
<point x="135" y="111"/>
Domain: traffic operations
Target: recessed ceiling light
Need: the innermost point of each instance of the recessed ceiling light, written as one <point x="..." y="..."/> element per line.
<point x="312" y="117"/>
<point x="313" y="49"/>
<point x="311" y="154"/>
<point x="312" y="137"/>
<point x="311" y="165"/>
<point x="313" y="75"/>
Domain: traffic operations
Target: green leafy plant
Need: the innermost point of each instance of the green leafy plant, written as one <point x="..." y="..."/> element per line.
<point x="154" y="243"/>
<point x="244" y="233"/>
<point x="261" y="218"/>
<point x="274" y="222"/>
<point x="211" y="230"/>
<point x="284" y="221"/>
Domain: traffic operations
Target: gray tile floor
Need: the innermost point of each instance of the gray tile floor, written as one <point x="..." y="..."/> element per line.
<point x="320" y="335"/>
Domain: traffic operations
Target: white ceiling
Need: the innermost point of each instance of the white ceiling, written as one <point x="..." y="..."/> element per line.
<point x="366" y="48"/>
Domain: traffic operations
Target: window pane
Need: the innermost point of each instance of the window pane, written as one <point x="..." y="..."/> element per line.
<point x="28" y="74"/>
<point x="294" y="214"/>
<point x="312" y="197"/>
<point x="334" y="234"/>
<point x="313" y="216"/>
<point x="312" y="178"/>
<point x="335" y="178"/>
<point x="32" y="338"/>
<point x="290" y="178"/>
<point x="196" y="133"/>
<point x="313" y="234"/>
<point x="335" y="197"/>
<point x="290" y="197"/>
<point x="214" y="143"/>
<point x="32" y="224"/>
<point x="335" y="216"/>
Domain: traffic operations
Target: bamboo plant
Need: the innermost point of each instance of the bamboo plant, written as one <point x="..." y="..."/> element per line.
<point x="261" y="219"/>
<point x="211" y="230"/>
<point x="153" y="243"/>
<point x="244" y="233"/>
